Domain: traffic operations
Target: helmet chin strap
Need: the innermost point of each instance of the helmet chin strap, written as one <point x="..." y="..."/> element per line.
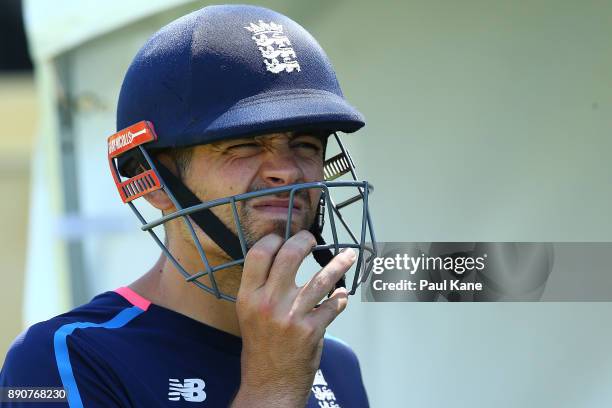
<point x="218" y="231"/>
<point x="205" y="219"/>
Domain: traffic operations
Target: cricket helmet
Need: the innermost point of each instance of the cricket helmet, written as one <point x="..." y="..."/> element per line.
<point x="224" y="72"/>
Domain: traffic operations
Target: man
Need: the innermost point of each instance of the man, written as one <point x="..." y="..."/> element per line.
<point x="223" y="121"/>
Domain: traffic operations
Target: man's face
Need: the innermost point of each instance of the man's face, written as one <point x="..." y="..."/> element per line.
<point x="238" y="166"/>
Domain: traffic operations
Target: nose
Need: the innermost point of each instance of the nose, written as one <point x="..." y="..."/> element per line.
<point x="280" y="168"/>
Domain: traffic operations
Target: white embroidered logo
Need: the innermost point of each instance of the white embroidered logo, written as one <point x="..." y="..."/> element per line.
<point x="324" y="395"/>
<point x="274" y="46"/>
<point x="192" y="390"/>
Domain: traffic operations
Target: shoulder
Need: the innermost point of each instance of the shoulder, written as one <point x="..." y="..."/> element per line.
<point x="34" y="356"/>
<point x="339" y="350"/>
<point x="31" y="355"/>
<point x="338" y="382"/>
<point x="339" y="356"/>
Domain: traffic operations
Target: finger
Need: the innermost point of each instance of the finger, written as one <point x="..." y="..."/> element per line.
<point x="324" y="281"/>
<point x="288" y="260"/>
<point x="258" y="262"/>
<point x="330" y="308"/>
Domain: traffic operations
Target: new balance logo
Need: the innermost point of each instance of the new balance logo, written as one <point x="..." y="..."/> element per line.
<point x="192" y="390"/>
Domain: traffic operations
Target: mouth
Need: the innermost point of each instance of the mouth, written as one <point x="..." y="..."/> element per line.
<point x="278" y="206"/>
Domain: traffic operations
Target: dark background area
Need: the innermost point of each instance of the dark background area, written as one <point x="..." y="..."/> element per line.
<point x="14" y="54"/>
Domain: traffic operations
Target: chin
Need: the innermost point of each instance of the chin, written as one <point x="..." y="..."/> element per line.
<point x="258" y="223"/>
<point x="273" y="227"/>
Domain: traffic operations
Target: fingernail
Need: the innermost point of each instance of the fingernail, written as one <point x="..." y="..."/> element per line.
<point x="350" y="253"/>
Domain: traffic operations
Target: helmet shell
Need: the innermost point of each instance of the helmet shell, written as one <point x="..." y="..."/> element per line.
<point x="232" y="71"/>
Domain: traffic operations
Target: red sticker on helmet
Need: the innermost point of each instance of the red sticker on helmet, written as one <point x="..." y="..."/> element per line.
<point x="129" y="138"/>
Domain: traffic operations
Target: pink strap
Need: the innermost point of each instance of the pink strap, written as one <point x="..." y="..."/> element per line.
<point x="133" y="297"/>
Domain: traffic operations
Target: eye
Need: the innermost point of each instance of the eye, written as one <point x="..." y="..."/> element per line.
<point x="244" y="147"/>
<point x="307" y="146"/>
<point x="246" y="144"/>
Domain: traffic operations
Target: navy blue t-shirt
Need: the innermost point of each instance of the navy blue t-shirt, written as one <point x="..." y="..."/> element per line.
<point x="120" y="350"/>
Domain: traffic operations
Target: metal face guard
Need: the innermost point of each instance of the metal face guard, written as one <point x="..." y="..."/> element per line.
<point x="136" y="136"/>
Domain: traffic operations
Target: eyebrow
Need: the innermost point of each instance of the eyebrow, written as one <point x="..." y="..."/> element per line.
<point x="321" y="135"/>
<point x="315" y="133"/>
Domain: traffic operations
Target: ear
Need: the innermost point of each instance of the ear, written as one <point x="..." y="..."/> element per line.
<point x="159" y="199"/>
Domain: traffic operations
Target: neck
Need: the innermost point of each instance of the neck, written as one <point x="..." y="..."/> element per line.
<point x="165" y="286"/>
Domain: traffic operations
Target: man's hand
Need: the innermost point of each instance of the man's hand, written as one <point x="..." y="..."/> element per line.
<point x="282" y="331"/>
